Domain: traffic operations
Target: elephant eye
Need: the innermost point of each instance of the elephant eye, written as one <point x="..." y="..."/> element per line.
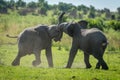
<point x="57" y="30"/>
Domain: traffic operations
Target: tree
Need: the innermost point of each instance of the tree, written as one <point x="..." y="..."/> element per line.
<point x="92" y="9"/>
<point x="3" y="6"/>
<point x="40" y="3"/>
<point x="118" y="9"/>
<point x="32" y="5"/>
<point x="45" y="4"/>
<point x="11" y="4"/>
<point x="91" y="14"/>
<point x="42" y="11"/>
<point x="80" y="16"/>
<point x="73" y="13"/>
<point x="113" y="17"/>
<point x="43" y="7"/>
<point x="20" y="4"/>
<point x="107" y="13"/>
<point x="64" y="6"/>
<point x="83" y="8"/>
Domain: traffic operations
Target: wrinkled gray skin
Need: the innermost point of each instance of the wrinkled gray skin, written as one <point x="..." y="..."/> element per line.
<point x="33" y="40"/>
<point x="90" y="41"/>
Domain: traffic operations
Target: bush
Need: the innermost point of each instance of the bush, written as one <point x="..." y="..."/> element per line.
<point x="53" y="20"/>
<point x="113" y="24"/>
<point x="95" y="23"/>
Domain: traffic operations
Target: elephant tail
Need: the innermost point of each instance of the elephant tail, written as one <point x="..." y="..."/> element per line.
<point x="104" y="43"/>
<point x="11" y="36"/>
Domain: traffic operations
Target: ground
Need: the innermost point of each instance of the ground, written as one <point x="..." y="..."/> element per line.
<point x="78" y="72"/>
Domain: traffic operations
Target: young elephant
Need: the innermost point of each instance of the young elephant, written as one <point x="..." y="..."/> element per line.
<point x="33" y="40"/>
<point x="90" y="41"/>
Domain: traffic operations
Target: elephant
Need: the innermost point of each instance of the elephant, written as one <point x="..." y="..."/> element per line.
<point x="34" y="39"/>
<point x="90" y="41"/>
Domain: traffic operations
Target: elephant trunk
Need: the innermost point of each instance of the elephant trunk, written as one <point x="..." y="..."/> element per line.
<point x="64" y="26"/>
<point x="60" y="18"/>
<point x="60" y="31"/>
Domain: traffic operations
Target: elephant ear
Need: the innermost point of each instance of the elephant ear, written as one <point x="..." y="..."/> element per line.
<point x="70" y="30"/>
<point x="73" y="29"/>
<point x="83" y="24"/>
<point x="42" y="29"/>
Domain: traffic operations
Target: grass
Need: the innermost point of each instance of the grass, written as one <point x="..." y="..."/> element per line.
<point x="114" y="39"/>
<point x="23" y="73"/>
<point x="78" y="72"/>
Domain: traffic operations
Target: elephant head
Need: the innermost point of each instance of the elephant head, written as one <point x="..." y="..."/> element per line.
<point x="73" y="27"/>
<point x="53" y="30"/>
<point x="55" y="33"/>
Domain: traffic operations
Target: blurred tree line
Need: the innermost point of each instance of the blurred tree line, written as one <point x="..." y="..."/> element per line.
<point x="41" y="7"/>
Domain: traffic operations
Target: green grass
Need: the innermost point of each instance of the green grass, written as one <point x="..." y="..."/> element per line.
<point x="78" y="72"/>
<point x="24" y="73"/>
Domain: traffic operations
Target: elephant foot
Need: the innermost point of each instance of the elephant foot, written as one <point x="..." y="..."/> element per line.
<point x="51" y="66"/>
<point x="97" y="67"/>
<point x="105" y="67"/>
<point x="35" y="63"/>
<point x="15" y="63"/>
<point x="67" y="67"/>
<point x="88" y="67"/>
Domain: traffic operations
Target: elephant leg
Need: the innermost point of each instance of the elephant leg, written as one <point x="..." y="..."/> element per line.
<point x="101" y="62"/>
<point x="86" y="60"/>
<point x="72" y="54"/>
<point x="37" y="57"/>
<point x="17" y="59"/>
<point x="98" y="65"/>
<point x="49" y="56"/>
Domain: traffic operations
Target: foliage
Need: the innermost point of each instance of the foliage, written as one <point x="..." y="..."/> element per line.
<point x="113" y="39"/>
<point x="42" y="7"/>
<point x="32" y="5"/>
<point x="102" y="24"/>
<point x="20" y="3"/>
<point x="64" y="6"/>
<point x="118" y="10"/>
<point x="43" y="11"/>
<point x="3" y="6"/>
<point x="11" y="4"/>
<point x="91" y="15"/>
<point x="96" y="23"/>
<point x="113" y="24"/>
<point x="107" y="13"/>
